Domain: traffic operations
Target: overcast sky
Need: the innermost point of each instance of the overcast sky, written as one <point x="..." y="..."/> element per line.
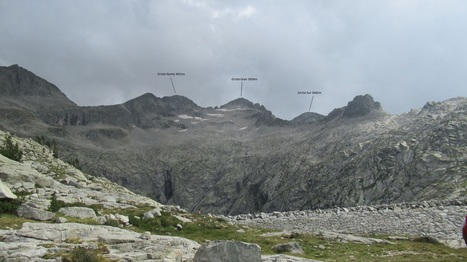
<point x="402" y="52"/>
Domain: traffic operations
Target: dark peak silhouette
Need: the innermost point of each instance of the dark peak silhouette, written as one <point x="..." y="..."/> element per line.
<point x="358" y="107"/>
<point x="19" y="83"/>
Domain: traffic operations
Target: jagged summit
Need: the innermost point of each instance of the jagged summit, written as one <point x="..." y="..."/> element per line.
<point x="358" y="107"/>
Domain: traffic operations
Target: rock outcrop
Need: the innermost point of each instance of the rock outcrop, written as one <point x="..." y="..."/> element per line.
<point x="5" y="192"/>
<point x="34" y="240"/>
<point x="42" y="180"/>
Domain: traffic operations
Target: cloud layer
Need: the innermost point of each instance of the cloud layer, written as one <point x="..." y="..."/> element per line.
<point x="402" y="52"/>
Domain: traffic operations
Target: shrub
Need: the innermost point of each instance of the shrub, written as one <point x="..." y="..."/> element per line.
<point x="9" y="206"/>
<point x="112" y="222"/>
<point x="55" y="204"/>
<point x="82" y="254"/>
<point x="11" y="149"/>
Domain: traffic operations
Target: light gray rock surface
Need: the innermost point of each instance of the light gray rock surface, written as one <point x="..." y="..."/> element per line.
<point x="34" y="240"/>
<point x="79" y="212"/>
<point x="228" y="251"/>
<point x="5" y="192"/>
<point x="27" y="210"/>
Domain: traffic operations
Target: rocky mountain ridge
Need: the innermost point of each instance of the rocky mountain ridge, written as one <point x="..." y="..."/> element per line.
<point x="239" y="158"/>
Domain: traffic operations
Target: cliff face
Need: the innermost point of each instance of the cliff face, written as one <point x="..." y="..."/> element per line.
<point x="240" y="158"/>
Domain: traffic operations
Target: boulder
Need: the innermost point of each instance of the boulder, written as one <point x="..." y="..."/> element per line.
<point x="228" y="251"/>
<point x="292" y="247"/>
<point x="79" y="212"/>
<point x="156" y="212"/>
<point x="5" y="192"/>
<point x="28" y="211"/>
<point x="60" y="220"/>
<point x="122" y="219"/>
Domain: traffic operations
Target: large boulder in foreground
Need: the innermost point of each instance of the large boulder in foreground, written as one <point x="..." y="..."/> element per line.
<point x="228" y="251"/>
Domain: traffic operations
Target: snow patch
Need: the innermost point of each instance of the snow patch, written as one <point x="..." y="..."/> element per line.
<point x="185" y="117"/>
<point x="229" y="110"/>
<point x="216" y="115"/>
<point x="191" y="117"/>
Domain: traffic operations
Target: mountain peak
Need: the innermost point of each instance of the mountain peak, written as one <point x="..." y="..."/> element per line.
<point x="361" y="106"/>
<point x="17" y="82"/>
<point x="241" y="102"/>
<point x="358" y="107"/>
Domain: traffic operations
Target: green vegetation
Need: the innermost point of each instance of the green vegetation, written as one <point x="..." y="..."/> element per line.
<point x="11" y="149"/>
<point x="9" y="206"/>
<point x="83" y="254"/>
<point x="11" y="221"/>
<point x="205" y="228"/>
<point x="164" y="224"/>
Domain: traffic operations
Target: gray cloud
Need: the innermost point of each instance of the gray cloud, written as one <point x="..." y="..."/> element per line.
<point x="404" y="53"/>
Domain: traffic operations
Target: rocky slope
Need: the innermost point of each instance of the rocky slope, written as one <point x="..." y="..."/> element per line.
<point x="62" y="214"/>
<point x="42" y="180"/>
<point x="239" y="158"/>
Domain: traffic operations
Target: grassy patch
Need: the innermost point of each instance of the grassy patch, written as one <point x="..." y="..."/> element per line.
<point x="164" y="224"/>
<point x="83" y="254"/>
<point x="8" y="221"/>
<point x="208" y="228"/>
